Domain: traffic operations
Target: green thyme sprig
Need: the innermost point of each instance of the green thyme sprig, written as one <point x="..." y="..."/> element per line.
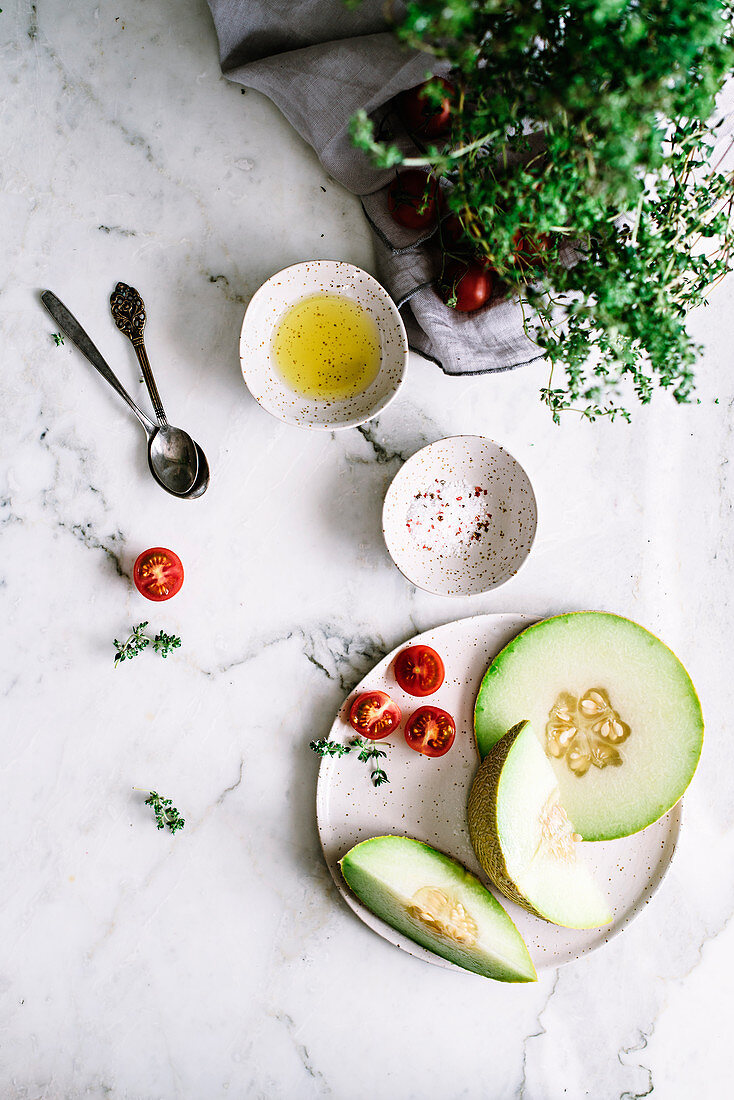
<point x="164" y="643"/>
<point x="166" y="814"/>
<point x="134" y="644"/>
<point x="138" y="640"/>
<point x="324" y="747"/>
<point x="368" y="754"/>
<point x="58" y="338"/>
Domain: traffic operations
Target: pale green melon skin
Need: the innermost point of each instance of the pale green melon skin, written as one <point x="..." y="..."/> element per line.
<point x="482" y="814"/>
<point x="648" y="686"/>
<point x="386" y="871"/>
<point x="512" y="784"/>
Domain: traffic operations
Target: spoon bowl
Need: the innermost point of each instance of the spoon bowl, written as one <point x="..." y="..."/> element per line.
<point x="201" y="484"/>
<point x="174" y="459"/>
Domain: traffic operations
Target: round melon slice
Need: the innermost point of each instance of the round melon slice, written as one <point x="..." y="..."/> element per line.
<point x="436" y="902"/>
<point x="614" y="710"/>
<point x="523" y="838"/>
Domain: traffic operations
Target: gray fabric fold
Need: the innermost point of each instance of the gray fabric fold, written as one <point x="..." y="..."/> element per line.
<point x="320" y="62"/>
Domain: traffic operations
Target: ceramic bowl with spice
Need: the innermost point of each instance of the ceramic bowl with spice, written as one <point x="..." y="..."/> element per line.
<point x="460" y="516"/>
<point x="323" y="346"/>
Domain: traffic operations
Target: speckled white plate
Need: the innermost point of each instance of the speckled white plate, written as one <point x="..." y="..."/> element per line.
<point x="426" y="799"/>
<point x="497" y="552"/>
<point x="263" y="314"/>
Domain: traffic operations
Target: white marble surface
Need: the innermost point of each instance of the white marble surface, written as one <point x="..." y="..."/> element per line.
<point x="221" y="962"/>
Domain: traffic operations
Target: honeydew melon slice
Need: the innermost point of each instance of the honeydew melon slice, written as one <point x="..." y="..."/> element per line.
<point x="523" y="838"/>
<point x="438" y="904"/>
<point x="614" y="710"/>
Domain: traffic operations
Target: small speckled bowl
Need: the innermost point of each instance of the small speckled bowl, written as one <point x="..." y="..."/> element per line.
<point x="266" y="309"/>
<point x="502" y="540"/>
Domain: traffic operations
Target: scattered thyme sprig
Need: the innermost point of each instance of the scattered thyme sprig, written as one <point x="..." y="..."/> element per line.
<point x="134" y="644"/>
<point x="166" y="814"/>
<point x="324" y="747"/>
<point x="368" y="754"/>
<point x="57" y="336"/>
<point x="137" y="641"/>
<point x="164" y="643"/>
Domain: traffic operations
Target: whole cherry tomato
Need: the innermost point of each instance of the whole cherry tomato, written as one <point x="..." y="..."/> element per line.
<point x="466" y="285"/>
<point x="158" y="574"/>
<point x="374" y="715"/>
<point x="530" y="252"/>
<point x="422" y="117"/>
<point x="430" y="731"/>
<point x="411" y="199"/>
<point x="419" y="670"/>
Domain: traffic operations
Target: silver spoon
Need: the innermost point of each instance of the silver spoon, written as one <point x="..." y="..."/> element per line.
<point x="173" y="457"/>
<point x="128" y="311"/>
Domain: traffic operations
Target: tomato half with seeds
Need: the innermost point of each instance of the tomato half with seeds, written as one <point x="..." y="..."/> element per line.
<point x="374" y="715"/>
<point x="158" y="574"/>
<point x="430" y="731"/>
<point x="419" y="670"/>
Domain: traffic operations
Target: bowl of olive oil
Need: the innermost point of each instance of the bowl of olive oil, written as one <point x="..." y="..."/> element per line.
<point x="323" y="346"/>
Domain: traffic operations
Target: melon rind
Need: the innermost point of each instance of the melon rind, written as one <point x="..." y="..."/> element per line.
<point x="647" y="685"/>
<point x="386" y="872"/>
<point x="510" y="790"/>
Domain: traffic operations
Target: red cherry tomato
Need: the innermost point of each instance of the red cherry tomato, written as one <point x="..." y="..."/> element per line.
<point x="430" y="731"/>
<point x="529" y="252"/>
<point x="411" y="199"/>
<point x="466" y="285"/>
<point x="158" y="573"/>
<point x="419" y="670"/>
<point x="453" y="236"/>
<point x="421" y="115"/>
<point x="374" y="715"/>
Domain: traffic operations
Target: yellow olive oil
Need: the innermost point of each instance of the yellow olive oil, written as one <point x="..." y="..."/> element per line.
<point x="327" y="347"/>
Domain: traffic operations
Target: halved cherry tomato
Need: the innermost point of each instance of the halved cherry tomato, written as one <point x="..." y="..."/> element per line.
<point x="411" y="199"/>
<point x="466" y="285"/>
<point x="430" y="731"/>
<point x="158" y="573"/>
<point x="374" y="715"/>
<point x="419" y="670"/>
<point x="421" y="115"/>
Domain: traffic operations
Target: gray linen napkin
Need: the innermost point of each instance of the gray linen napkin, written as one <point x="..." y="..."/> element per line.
<point x="319" y="62"/>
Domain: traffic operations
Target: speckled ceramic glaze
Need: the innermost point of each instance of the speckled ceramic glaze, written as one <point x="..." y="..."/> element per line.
<point x="426" y="799"/>
<point x="267" y="308"/>
<point x="498" y="552"/>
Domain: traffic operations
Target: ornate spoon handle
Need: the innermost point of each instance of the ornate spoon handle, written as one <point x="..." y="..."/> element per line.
<point x="128" y="310"/>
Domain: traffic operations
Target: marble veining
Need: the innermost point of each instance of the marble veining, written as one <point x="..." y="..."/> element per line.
<point x="221" y="962"/>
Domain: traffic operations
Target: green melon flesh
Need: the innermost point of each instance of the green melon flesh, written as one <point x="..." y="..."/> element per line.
<point x="523" y="838"/>
<point x="648" y="691"/>
<point x="436" y="902"/>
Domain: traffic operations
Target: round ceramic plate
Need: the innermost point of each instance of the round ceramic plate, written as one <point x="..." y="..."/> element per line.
<point x="426" y="799"/>
<point x="274" y="299"/>
<point x="460" y="516"/>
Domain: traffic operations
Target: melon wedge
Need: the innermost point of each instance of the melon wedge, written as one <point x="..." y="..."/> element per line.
<point x="438" y="904"/>
<point x="523" y="838"/>
<point x="614" y="710"/>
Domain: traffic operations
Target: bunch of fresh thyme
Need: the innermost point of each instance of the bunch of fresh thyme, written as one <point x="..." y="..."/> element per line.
<point x="588" y="122"/>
